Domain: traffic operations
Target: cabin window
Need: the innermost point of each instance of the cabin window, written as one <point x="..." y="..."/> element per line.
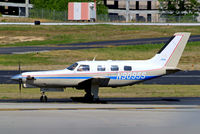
<point x="114" y="68"/>
<point x="83" y="68"/>
<point x="127" y="68"/>
<point x="101" y="68"/>
<point x="72" y="67"/>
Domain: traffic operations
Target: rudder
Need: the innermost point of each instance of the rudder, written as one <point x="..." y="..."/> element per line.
<point x="170" y="54"/>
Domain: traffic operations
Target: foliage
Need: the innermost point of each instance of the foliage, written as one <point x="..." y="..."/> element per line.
<point x="180" y="7"/>
<point x="61" y="5"/>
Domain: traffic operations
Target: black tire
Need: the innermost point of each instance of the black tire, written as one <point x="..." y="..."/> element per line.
<point x="43" y="98"/>
<point x="88" y="97"/>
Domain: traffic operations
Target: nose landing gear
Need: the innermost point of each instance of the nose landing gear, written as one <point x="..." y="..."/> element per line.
<point x="43" y="98"/>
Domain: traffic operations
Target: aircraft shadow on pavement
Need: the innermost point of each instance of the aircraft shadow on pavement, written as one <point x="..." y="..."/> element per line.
<point x="156" y="100"/>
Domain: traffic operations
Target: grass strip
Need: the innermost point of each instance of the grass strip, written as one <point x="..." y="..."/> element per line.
<point x="11" y="91"/>
<point x="75" y="34"/>
<point x="190" y="59"/>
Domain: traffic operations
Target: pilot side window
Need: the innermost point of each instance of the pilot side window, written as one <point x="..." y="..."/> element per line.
<point x="114" y="68"/>
<point x="127" y="68"/>
<point x="73" y="66"/>
<point x="101" y="68"/>
<point x="83" y="68"/>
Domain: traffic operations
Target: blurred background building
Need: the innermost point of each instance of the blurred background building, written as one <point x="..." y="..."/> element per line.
<point x="15" y="7"/>
<point x="118" y="10"/>
<point x="139" y="10"/>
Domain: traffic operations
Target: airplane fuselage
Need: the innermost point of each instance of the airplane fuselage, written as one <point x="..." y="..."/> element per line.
<point x="120" y="73"/>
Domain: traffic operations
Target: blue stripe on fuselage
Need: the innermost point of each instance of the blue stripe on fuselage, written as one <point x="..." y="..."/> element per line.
<point x="131" y="78"/>
<point x="111" y="77"/>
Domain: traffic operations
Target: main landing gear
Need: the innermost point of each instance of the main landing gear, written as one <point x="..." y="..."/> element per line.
<point x="91" y="88"/>
<point x="91" y="96"/>
<point x="43" y="98"/>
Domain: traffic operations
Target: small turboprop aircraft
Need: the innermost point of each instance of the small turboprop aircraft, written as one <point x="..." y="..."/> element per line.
<point x="90" y="75"/>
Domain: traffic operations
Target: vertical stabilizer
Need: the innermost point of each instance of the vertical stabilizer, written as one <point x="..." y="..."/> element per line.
<point x="171" y="52"/>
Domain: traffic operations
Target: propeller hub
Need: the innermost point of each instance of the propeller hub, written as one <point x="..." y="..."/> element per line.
<point x="17" y="77"/>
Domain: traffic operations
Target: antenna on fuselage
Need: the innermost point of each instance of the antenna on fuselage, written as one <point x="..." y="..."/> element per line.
<point x="94" y="58"/>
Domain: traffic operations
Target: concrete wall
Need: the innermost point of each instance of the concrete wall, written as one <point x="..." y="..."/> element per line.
<point x="142" y="4"/>
<point x="142" y="12"/>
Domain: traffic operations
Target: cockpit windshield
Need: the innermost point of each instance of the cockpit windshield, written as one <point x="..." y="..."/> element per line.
<point x="72" y="67"/>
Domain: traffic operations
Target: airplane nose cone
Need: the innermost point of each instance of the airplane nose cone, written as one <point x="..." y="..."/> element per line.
<point x="16" y="77"/>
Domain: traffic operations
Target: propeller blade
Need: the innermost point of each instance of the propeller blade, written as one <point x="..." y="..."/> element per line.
<point x="20" y="80"/>
<point x="19" y="67"/>
<point x="20" y="86"/>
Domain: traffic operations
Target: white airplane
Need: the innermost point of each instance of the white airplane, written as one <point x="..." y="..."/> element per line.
<point x="90" y="75"/>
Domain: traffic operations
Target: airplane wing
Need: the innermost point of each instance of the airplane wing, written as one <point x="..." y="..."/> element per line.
<point x="99" y="81"/>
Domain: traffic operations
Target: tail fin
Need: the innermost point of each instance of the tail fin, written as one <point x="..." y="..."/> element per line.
<point x="170" y="54"/>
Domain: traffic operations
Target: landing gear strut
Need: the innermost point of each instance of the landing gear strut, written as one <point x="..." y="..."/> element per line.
<point x="92" y="93"/>
<point x="43" y="98"/>
<point x="88" y="96"/>
<point x="91" y="88"/>
<point x="91" y="96"/>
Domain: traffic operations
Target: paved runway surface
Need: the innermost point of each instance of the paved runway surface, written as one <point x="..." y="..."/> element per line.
<point x="183" y="78"/>
<point x="137" y="100"/>
<point x="14" y="50"/>
<point x="22" y="50"/>
<point x="35" y="118"/>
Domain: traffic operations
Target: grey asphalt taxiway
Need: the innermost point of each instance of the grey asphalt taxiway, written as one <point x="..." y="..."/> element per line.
<point x="98" y="44"/>
<point x="32" y="118"/>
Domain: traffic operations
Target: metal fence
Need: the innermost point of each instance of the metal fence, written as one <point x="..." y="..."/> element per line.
<point x="52" y="15"/>
<point x="63" y="15"/>
<point x="179" y="19"/>
<point x="48" y="14"/>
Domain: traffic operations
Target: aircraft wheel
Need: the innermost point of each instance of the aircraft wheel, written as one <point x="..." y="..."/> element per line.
<point x="43" y="98"/>
<point x="89" y="97"/>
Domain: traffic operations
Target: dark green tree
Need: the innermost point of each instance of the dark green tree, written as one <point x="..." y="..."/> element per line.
<point x="61" y="5"/>
<point x="180" y="7"/>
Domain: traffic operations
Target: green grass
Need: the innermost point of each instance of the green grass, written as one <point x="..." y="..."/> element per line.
<point x="12" y="91"/>
<point x="25" y="59"/>
<point x="67" y="57"/>
<point x="75" y="34"/>
<point x="50" y="59"/>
